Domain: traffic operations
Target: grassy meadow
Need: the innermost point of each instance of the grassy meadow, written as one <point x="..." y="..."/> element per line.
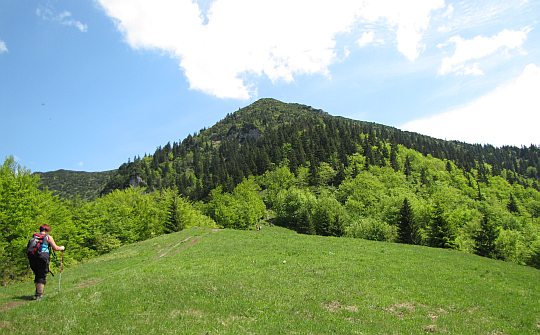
<point x="274" y="281"/>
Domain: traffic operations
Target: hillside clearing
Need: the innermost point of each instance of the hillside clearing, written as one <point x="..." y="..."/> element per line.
<point x="275" y="281"/>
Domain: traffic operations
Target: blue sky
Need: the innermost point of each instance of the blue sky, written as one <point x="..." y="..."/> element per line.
<point x="87" y="84"/>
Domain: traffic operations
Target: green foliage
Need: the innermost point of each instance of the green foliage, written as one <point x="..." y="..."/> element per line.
<point x="407" y="230"/>
<point x="70" y="184"/>
<point x="86" y="229"/>
<point x="329" y="217"/>
<point x="361" y="194"/>
<point x="275" y="181"/>
<point x="23" y="208"/>
<point x="441" y="234"/>
<point x="485" y="238"/>
<point x="371" y="229"/>
<point x="183" y="214"/>
<point x="241" y="210"/>
<point x="512" y="204"/>
<point x="294" y="209"/>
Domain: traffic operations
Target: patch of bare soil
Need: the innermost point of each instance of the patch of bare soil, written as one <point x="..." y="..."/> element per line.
<point x="174" y="246"/>
<point x="399" y="308"/>
<point x="9" y="306"/>
<point x="184" y="248"/>
<point x="88" y="283"/>
<point x="430" y="328"/>
<point x="335" y="306"/>
<point x="215" y="230"/>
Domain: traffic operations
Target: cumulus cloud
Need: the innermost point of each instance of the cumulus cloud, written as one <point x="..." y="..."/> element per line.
<point x="410" y="17"/>
<point x="275" y="38"/>
<point x="449" y="11"/>
<point x="444" y="29"/>
<point x="507" y="116"/>
<point x="474" y="70"/>
<point x="366" y="38"/>
<point x="479" y="47"/>
<point x="3" y="47"/>
<point x="63" y="18"/>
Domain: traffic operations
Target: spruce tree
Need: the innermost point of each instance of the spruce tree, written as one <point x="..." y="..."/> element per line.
<point x="512" y="205"/>
<point x="441" y="235"/>
<point x="406" y="224"/>
<point x="172" y="223"/>
<point x="393" y="157"/>
<point x="448" y="166"/>
<point x="485" y="239"/>
<point x="407" y="167"/>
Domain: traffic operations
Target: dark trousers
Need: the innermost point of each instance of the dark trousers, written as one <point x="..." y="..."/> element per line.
<point x="40" y="266"/>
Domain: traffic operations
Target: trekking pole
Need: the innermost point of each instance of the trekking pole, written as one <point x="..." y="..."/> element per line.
<point x="60" y="276"/>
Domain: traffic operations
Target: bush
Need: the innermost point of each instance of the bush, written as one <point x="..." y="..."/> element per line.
<point x="371" y="229"/>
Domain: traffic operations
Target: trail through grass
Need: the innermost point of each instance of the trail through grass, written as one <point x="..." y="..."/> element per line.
<point x="274" y="281"/>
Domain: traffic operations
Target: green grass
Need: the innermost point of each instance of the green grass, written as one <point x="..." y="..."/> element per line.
<point x="275" y="281"/>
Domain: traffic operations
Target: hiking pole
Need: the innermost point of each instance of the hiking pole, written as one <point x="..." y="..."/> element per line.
<point x="60" y="276"/>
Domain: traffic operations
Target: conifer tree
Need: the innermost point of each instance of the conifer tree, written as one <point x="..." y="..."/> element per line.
<point x="448" y="166"/>
<point x="173" y="223"/>
<point x="480" y="196"/>
<point x="441" y="235"/>
<point x="407" y="167"/>
<point x="512" y="205"/>
<point x="485" y="238"/>
<point x="406" y="224"/>
<point x="393" y="157"/>
<point x="423" y="177"/>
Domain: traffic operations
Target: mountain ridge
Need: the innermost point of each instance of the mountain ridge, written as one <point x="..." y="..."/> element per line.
<point x="250" y="124"/>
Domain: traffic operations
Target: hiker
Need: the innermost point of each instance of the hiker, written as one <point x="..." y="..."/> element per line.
<point x="40" y="261"/>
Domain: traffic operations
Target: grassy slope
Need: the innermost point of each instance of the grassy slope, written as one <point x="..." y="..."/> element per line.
<point x="278" y="282"/>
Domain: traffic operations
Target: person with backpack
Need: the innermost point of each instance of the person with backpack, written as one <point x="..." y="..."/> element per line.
<point x="39" y="256"/>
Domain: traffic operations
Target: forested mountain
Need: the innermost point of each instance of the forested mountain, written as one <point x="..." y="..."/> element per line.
<point x="70" y="184"/>
<point x="293" y="166"/>
<point x="269" y="132"/>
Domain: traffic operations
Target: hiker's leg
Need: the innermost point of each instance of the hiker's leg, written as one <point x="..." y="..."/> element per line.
<point x="42" y="268"/>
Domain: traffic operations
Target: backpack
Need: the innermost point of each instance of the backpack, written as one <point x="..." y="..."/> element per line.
<point x="35" y="245"/>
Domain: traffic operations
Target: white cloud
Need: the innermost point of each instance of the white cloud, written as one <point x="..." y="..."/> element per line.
<point x="444" y="29"/>
<point x="3" y="47"/>
<point x="275" y="38"/>
<point x="474" y="70"/>
<point x="412" y="18"/>
<point x="449" y="11"/>
<point x="366" y="38"/>
<point x="479" y="47"/>
<point x="63" y="18"/>
<point x="507" y="116"/>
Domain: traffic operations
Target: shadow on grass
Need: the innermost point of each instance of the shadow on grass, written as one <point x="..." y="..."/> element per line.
<point x="24" y="297"/>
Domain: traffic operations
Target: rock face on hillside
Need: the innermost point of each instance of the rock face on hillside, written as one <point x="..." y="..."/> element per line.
<point x="253" y="132"/>
<point x="135" y="181"/>
<point x="244" y="133"/>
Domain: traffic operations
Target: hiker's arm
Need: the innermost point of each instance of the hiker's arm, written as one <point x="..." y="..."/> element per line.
<point x="54" y="246"/>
